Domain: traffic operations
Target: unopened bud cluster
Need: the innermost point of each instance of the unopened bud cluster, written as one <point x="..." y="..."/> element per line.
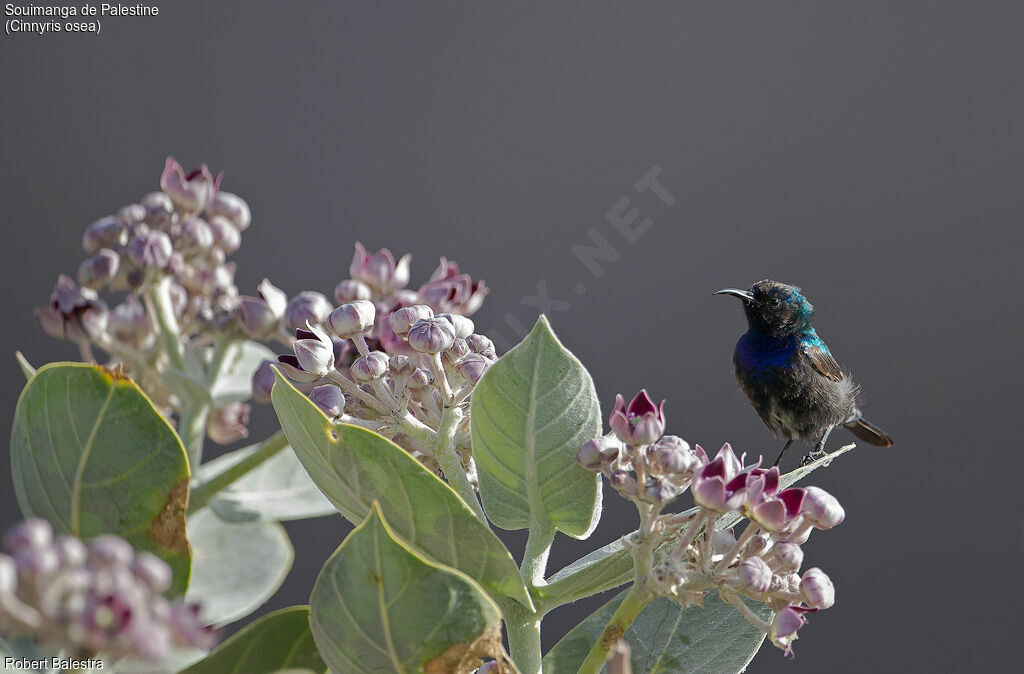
<point x="652" y="470"/>
<point x="386" y="357"/>
<point x="177" y="239"/>
<point x="95" y="598"/>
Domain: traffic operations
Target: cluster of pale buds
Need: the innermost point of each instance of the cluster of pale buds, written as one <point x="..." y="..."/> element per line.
<point x="96" y="598"/>
<point x="405" y="395"/>
<point x="172" y="245"/>
<point x="763" y="564"/>
<point x="183" y="232"/>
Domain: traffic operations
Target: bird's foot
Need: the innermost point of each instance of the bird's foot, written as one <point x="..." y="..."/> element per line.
<point x="812" y="457"/>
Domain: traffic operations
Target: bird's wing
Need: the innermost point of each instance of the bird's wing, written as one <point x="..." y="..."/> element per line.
<point x="822" y="361"/>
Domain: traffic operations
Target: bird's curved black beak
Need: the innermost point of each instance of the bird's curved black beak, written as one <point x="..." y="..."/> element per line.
<point x="736" y="292"/>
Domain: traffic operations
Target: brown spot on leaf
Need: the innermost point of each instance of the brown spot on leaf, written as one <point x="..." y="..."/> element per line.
<point x="465" y="658"/>
<point x="116" y="373"/>
<point x="333" y="435"/>
<point x="167" y="529"/>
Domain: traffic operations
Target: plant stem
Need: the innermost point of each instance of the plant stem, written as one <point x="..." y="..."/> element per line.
<point x="535" y="559"/>
<point x="159" y="300"/>
<point x="192" y="429"/>
<point x="450" y="463"/>
<point x="202" y="495"/>
<point x="523" y="626"/>
<point x="624" y="616"/>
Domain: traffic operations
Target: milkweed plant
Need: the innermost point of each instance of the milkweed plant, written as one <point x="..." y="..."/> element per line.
<point x="396" y="413"/>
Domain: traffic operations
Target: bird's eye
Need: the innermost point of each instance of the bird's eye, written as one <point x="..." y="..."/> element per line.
<point x="776" y="303"/>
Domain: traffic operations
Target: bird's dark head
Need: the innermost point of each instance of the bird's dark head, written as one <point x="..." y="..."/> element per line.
<point x="774" y="308"/>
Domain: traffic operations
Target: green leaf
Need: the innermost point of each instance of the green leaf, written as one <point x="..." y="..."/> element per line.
<point x="612" y="565"/>
<point x="666" y="637"/>
<point x="234" y="381"/>
<point x="236" y="566"/>
<point x="276" y="641"/>
<point x="354" y="467"/>
<point x="531" y="412"/>
<point x="279" y="489"/>
<point x="90" y="454"/>
<point x="26" y="367"/>
<point x="377" y="606"/>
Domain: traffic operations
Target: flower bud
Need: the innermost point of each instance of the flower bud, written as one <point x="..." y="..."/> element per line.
<point x="131" y="214"/>
<point x="401" y="367"/>
<point x="107" y="232"/>
<point x="110" y="551"/>
<point x="456" y="352"/>
<point x="431" y="335"/>
<point x="192" y="192"/>
<point x="419" y="382"/>
<point x="623" y="483"/>
<point x="673" y="455"/>
<point x="785" y="626"/>
<point x="228" y="423"/>
<point x="351" y="290"/>
<point x="225" y="235"/>
<point x="152" y="571"/>
<point x="99" y="269"/>
<point x="37" y="564"/>
<point x="756" y="545"/>
<point x="472" y="367"/>
<point x="329" y="399"/>
<point x="32" y="534"/>
<point x="195" y="234"/>
<point x="482" y="345"/>
<point x="263" y="382"/>
<point x="755" y="575"/>
<point x="817" y="589"/>
<point x="787" y="557"/>
<point x="70" y="550"/>
<point x="308" y="306"/>
<point x="232" y="207"/>
<point x="150" y="251"/>
<point x="314" y="351"/>
<point x="352" y="319"/>
<point x="256" y="317"/>
<point x="598" y="453"/>
<point x="658" y="491"/>
<point x="157" y="200"/>
<point x="370" y="367"/>
<point x="722" y="540"/>
<point x="463" y="326"/>
<point x="402" y="319"/>
<point x="821" y="508"/>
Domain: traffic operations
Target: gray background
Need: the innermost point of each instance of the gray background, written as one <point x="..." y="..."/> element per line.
<point x="869" y="152"/>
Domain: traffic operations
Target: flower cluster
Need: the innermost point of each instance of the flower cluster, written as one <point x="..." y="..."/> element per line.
<point x="763" y="563"/>
<point x="171" y="248"/>
<point x="166" y="256"/>
<point x="95" y="598"/>
<point x="385" y="360"/>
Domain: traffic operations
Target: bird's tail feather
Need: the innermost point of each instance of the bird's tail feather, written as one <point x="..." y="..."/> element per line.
<point x="868" y="432"/>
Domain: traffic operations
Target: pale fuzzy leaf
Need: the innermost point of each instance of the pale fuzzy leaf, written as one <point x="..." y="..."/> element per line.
<point x="276" y="641"/>
<point x="279" y="489"/>
<point x="666" y="637"/>
<point x="531" y="412"/>
<point x="90" y="454"/>
<point x="234" y="382"/>
<point x="354" y="467"/>
<point x="236" y="566"/>
<point x="377" y="606"/>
